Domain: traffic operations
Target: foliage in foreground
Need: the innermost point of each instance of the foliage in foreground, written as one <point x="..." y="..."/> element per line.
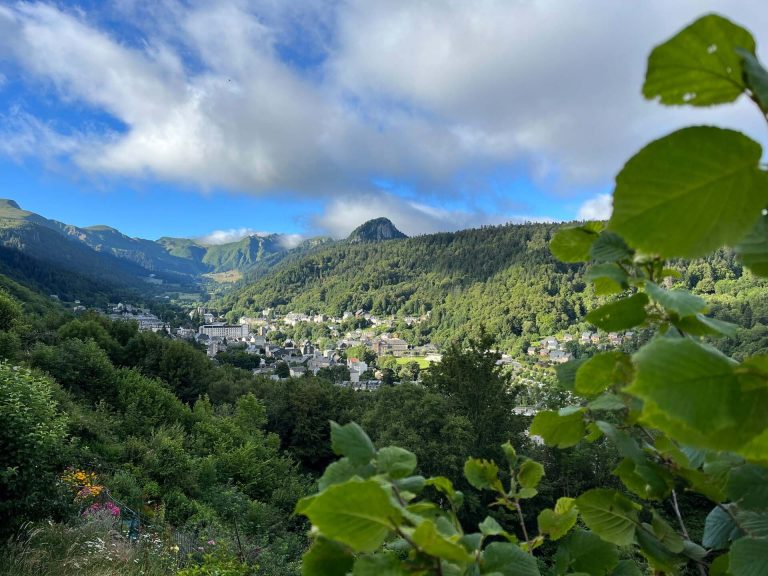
<point x="683" y="416"/>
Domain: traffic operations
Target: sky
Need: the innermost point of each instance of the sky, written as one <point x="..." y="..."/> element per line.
<point x="305" y="117"/>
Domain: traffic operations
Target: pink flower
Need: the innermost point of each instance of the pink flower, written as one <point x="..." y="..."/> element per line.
<point x="211" y="542"/>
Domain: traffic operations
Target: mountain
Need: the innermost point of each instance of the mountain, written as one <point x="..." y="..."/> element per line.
<point x="376" y="230"/>
<point x="105" y="253"/>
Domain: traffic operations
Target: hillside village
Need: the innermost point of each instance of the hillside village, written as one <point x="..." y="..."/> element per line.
<point x="263" y="338"/>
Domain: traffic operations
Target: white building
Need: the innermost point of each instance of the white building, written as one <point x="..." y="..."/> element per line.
<point x="224" y="330"/>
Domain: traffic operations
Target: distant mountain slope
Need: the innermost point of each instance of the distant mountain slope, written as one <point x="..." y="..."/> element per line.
<point x="376" y="230"/>
<point x="502" y="277"/>
<point x="171" y="259"/>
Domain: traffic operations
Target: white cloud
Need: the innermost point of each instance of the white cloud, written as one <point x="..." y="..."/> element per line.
<point x="345" y="213"/>
<point x="226" y="236"/>
<point x="420" y="92"/>
<point x="597" y="208"/>
<point x="218" y="237"/>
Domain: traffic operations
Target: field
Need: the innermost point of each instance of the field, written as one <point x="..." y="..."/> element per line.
<point x="421" y="360"/>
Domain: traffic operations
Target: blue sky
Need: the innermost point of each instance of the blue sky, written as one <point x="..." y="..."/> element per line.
<point x="181" y="118"/>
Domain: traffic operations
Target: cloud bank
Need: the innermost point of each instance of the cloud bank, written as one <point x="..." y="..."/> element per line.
<point x="314" y="99"/>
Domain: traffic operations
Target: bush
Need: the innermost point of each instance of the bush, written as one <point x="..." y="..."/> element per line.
<point x="31" y="435"/>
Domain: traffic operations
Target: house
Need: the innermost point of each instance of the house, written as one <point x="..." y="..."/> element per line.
<point x="356" y="368"/>
<point x="560" y="356"/>
<point x="392" y="346"/>
<point x="567" y="337"/>
<point x="595" y="338"/>
<point x="224" y="330"/>
<point x="550" y="343"/>
<point x="297" y="371"/>
<point x="531" y="351"/>
<point x="586" y="337"/>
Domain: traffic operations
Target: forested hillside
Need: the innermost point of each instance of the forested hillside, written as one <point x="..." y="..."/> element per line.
<point x="503" y="278"/>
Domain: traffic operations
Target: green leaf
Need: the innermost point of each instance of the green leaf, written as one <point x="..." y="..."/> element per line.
<point x="756" y="77"/>
<point x="508" y="560"/>
<point x="620" y="315"/>
<point x="444" y="485"/>
<point x="357" y="513"/>
<point x="584" y="552"/>
<point x="699" y="65"/>
<point x="559" y="521"/>
<point x="700" y="325"/>
<point x="572" y="243"/>
<point x="753" y="248"/>
<point x="753" y="523"/>
<point x="351" y="441"/>
<point x="380" y="564"/>
<point x="607" y="278"/>
<point x="609" y="247"/>
<point x="719" y="566"/>
<point x="748" y="486"/>
<point x="490" y="527"/>
<point x="482" y="474"/>
<point x="671" y="540"/>
<point x="719" y="529"/>
<point x="626" y="568"/>
<point x="749" y="557"/>
<point x="602" y="371"/>
<point x="711" y="169"/>
<point x="607" y="401"/>
<point x="658" y="556"/>
<point x="566" y="373"/>
<point x="644" y="478"/>
<point x="336" y="473"/>
<point x="396" y="461"/>
<point x="414" y="484"/>
<point x="610" y="515"/>
<point x="529" y="474"/>
<point x="681" y="302"/>
<point x="326" y="558"/>
<point x="429" y="540"/>
<point x="556" y="430"/>
<point x="692" y="393"/>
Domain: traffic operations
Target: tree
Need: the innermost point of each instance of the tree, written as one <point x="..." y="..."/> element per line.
<point x="472" y="380"/>
<point x="31" y="442"/>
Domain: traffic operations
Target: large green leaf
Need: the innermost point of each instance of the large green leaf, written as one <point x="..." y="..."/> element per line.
<point x="351" y="441"/>
<point x="572" y="243"/>
<point x="699" y="65"/>
<point x="620" y="315"/>
<point x="753" y="248"/>
<point x="602" y="371"/>
<point x="359" y="514"/>
<point x="608" y="278"/>
<point x="482" y="474"/>
<point x="509" y="560"/>
<point x="396" y="461"/>
<point x="584" y="552"/>
<point x="326" y="558"/>
<point x="380" y="564"/>
<point x="608" y="514"/>
<point x="680" y="302"/>
<point x="694" y="394"/>
<point x="557" y="430"/>
<point x="609" y="247"/>
<point x="529" y="474"/>
<point x="556" y="523"/>
<point x="749" y="557"/>
<point x="690" y="192"/>
<point x="719" y="529"/>
<point x="748" y="486"/>
<point x="428" y="539"/>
